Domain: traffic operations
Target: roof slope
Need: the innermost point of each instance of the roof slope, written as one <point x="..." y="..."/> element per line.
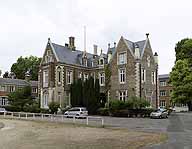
<point x="68" y="56"/>
<point x="132" y="45"/>
<point x="18" y="82"/>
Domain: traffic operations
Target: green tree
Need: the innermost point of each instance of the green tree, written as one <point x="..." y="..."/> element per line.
<point x="20" y="98"/>
<point x="26" y="64"/>
<point x="86" y="93"/>
<point x="181" y="78"/>
<point x="53" y="106"/>
<point x="183" y="50"/>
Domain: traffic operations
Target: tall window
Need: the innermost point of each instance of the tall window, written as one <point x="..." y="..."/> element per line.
<point x="80" y="75"/>
<point x="85" y="76"/>
<point x="122" y="95"/>
<point x="122" y="75"/>
<point x="45" y="100"/>
<point x="102" y="79"/>
<point x="59" y="74"/>
<point x="162" y="93"/>
<point x="45" y="78"/>
<point x="101" y="61"/>
<point x="143" y="75"/>
<point x="162" y="103"/>
<point x="122" y="58"/>
<point x="153" y="77"/>
<point x="69" y="77"/>
<point x="148" y="61"/>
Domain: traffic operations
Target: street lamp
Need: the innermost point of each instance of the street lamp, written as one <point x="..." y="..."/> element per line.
<point x="156" y="77"/>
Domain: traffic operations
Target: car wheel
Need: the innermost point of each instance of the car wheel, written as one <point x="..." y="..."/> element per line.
<point x="160" y="116"/>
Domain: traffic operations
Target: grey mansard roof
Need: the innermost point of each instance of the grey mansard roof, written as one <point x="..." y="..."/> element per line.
<point x="17" y="82"/>
<point x="164" y="76"/>
<point x="68" y="56"/>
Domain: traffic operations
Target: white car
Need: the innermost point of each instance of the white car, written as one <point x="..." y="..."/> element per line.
<point x="77" y="112"/>
<point x="159" y="114"/>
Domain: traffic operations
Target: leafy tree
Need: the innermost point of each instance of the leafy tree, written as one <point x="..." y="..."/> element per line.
<point x="53" y="106"/>
<point x="20" y="98"/>
<point x="26" y="64"/>
<point x="183" y="50"/>
<point x="6" y="74"/>
<point x="107" y="78"/>
<point x="181" y="78"/>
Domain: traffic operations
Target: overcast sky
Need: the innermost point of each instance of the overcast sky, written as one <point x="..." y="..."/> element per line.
<point x="26" y="25"/>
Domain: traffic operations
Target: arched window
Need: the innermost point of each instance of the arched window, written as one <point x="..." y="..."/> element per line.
<point x="59" y="74"/>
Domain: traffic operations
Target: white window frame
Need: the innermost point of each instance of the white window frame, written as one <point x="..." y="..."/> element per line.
<point x="69" y="76"/>
<point x="143" y="75"/>
<point x="153" y="77"/>
<point x="123" y="95"/>
<point x="45" y="78"/>
<point x="80" y="75"/>
<point x="162" y="103"/>
<point x="45" y="100"/>
<point x="122" y="74"/>
<point x="162" y="92"/>
<point x="122" y="58"/>
<point x="102" y="79"/>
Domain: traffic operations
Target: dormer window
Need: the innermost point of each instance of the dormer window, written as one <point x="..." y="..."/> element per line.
<point x="101" y="61"/>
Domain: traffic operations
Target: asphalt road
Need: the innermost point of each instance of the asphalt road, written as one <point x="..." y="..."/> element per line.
<point x="178" y="127"/>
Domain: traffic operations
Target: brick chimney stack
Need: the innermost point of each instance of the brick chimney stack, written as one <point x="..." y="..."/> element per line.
<point x="72" y="43"/>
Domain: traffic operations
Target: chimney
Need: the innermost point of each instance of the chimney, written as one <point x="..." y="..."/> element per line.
<point x="95" y="49"/>
<point x="115" y="44"/>
<point x="156" y="58"/>
<point x="147" y="35"/>
<point x="108" y="45"/>
<point x="72" y="43"/>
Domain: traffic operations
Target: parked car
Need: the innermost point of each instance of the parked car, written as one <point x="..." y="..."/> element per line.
<point x="159" y="114"/>
<point x="78" y="112"/>
<point x="2" y="110"/>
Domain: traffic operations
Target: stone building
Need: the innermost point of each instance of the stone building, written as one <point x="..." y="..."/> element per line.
<point x="132" y="64"/>
<point x="165" y="89"/>
<point x="8" y="85"/>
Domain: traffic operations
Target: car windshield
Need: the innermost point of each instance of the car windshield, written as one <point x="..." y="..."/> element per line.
<point x="74" y="109"/>
<point x="158" y="111"/>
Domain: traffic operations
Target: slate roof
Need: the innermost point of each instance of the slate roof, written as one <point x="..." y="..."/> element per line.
<point x="68" y="56"/>
<point x="132" y="45"/>
<point x="164" y="76"/>
<point x="17" y="82"/>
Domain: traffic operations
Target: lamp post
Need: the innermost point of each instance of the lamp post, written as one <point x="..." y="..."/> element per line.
<point x="156" y="78"/>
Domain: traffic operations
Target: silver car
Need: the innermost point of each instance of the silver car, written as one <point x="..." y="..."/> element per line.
<point x="2" y="110"/>
<point x="159" y="114"/>
<point x="77" y="112"/>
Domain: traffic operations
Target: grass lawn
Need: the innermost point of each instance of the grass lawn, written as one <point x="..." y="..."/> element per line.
<point x="21" y="134"/>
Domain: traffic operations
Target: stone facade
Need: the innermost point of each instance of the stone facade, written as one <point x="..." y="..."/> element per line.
<point x="61" y="65"/>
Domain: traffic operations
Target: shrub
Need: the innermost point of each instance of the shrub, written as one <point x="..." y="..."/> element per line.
<point x="103" y="111"/>
<point x="33" y="108"/>
<point x="12" y="108"/>
<point x="46" y="111"/>
<point x="53" y="106"/>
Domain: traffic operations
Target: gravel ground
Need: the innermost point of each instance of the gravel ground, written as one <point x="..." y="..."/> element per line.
<point x="20" y="134"/>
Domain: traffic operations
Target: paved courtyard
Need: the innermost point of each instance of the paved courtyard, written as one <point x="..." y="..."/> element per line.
<point x="178" y="127"/>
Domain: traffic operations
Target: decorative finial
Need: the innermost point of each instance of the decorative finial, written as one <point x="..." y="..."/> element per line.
<point x="108" y="45"/>
<point x="147" y="34"/>
<point x="49" y="39"/>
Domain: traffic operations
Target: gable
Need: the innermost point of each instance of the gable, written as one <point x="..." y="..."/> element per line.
<point x="49" y="54"/>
